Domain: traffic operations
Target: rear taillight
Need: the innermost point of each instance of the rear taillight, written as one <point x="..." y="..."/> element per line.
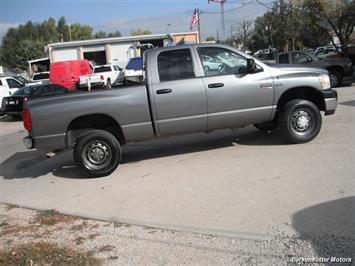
<point x="27" y="123"/>
<point x="101" y="77"/>
<point x="25" y="99"/>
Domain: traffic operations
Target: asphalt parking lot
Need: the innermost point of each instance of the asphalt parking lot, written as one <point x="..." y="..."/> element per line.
<point x="233" y="182"/>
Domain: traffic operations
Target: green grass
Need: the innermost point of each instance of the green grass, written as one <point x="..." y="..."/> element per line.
<point x="45" y="254"/>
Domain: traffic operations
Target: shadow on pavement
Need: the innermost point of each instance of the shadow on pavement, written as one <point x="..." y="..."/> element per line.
<point x="32" y="164"/>
<point x="329" y="226"/>
<point x="198" y="142"/>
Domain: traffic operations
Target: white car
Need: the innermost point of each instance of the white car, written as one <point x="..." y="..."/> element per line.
<point x="102" y="76"/>
<point x="8" y="85"/>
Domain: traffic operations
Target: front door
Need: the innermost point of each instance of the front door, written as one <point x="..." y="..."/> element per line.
<point x="234" y="97"/>
<point x="179" y="96"/>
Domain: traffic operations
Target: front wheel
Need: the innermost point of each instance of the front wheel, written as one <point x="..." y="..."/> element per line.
<point x="335" y="79"/>
<point x="97" y="153"/>
<point x="300" y="121"/>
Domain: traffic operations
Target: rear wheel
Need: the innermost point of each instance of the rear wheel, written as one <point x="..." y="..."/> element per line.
<point x="300" y="121"/>
<point x="97" y="153"/>
<point x="108" y="84"/>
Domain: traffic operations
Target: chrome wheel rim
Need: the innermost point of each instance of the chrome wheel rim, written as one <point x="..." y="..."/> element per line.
<point x="96" y="155"/>
<point x="302" y="122"/>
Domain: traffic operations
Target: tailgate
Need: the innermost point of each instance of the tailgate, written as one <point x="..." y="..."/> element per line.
<point x="90" y="78"/>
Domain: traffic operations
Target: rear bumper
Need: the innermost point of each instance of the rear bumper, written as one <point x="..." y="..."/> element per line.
<point x="330" y="100"/>
<point x="46" y="143"/>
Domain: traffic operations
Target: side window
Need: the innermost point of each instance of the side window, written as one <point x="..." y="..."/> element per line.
<point x="58" y="89"/>
<point x="175" y="65"/>
<point x="300" y="58"/>
<point x="220" y="61"/>
<point x="284" y="59"/>
<point x="0" y="82"/>
<point x="13" y="83"/>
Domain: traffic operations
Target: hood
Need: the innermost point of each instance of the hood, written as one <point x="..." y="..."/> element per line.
<point x="290" y="68"/>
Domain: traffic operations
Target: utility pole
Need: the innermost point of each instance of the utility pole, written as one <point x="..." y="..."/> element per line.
<point x="222" y="17"/>
<point x="223" y="22"/>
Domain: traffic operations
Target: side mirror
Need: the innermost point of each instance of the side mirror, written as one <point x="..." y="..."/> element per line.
<point x="251" y="66"/>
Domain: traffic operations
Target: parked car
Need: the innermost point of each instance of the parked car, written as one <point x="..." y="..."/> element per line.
<point x="134" y="69"/>
<point x="180" y="98"/>
<point x="210" y="64"/>
<point x="340" y="69"/>
<point x="102" y="76"/>
<point x="67" y="73"/>
<point x="8" y="85"/>
<point x="321" y="48"/>
<point x="13" y="105"/>
<point x="40" y="78"/>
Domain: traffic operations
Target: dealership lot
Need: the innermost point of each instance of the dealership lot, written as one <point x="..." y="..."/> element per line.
<point x="240" y="183"/>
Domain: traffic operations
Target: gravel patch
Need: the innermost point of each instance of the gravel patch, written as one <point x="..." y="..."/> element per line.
<point x="124" y="244"/>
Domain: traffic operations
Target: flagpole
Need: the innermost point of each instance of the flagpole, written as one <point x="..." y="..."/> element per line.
<point x="198" y="24"/>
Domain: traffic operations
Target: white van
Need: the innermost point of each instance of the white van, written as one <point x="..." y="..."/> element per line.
<point x="8" y="85"/>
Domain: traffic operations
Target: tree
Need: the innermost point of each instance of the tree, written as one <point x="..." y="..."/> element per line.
<point x="63" y="30"/>
<point x="102" y="34"/>
<point x="210" y="39"/>
<point x="137" y="32"/>
<point x="244" y="32"/>
<point x="333" y="17"/>
<point x="27" y="41"/>
<point x="80" y="32"/>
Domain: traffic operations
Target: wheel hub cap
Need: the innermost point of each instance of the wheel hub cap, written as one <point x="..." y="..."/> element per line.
<point x="301" y="121"/>
<point x="96" y="155"/>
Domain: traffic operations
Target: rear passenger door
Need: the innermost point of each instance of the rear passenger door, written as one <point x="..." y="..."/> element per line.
<point x="179" y="96"/>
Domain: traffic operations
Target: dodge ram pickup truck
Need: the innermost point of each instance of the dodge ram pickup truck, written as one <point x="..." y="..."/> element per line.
<point x="181" y="96"/>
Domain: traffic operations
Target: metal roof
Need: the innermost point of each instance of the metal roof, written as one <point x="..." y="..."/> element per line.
<point x="117" y="39"/>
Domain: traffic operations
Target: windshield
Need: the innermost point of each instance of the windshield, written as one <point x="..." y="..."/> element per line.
<point x="102" y="69"/>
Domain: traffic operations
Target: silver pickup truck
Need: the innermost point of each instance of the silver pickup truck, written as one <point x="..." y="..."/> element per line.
<point x="183" y="93"/>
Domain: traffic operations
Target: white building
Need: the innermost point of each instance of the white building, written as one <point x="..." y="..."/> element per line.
<point x="116" y="50"/>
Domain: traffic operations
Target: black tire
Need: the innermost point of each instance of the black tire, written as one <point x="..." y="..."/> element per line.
<point x="97" y="153"/>
<point x="266" y="127"/>
<point x="300" y="121"/>
<point x="108" y="84"/>
<point x="336" y="79"/>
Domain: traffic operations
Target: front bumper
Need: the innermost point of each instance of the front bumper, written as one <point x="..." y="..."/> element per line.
<point x="330" y="101"/>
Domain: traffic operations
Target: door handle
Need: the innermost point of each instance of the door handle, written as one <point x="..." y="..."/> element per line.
<point x="215" y="85"/>
<point x="163" y="91"/>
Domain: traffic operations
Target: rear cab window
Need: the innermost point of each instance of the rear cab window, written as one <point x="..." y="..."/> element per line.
<point x="102" y="69"/>
<point x="175" y="65"/>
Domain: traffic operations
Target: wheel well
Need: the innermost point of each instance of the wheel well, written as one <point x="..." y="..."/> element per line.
<point x="305" y="93"/>
<point x="94" y="121"/>
<point x="338" y="69"/>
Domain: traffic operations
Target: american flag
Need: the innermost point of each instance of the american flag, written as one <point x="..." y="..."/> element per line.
<point x="195" y="18"/>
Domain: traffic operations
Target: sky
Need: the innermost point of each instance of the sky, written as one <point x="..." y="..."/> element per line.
<point x="158" y="16"/>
